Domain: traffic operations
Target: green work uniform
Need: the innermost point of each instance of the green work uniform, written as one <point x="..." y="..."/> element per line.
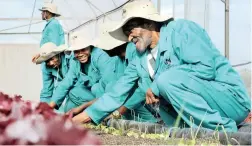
<point x="51" y="77"/>
<point x="190" y="76"/>
<point x="77" y="84"/>
<point x="53" y="32"/>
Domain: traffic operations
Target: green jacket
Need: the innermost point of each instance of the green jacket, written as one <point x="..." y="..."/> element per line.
<point x="53" y="32"/>
<point x="180" y="46"/>
<point x="97" y="68"/>
<point x="52" y="77"/>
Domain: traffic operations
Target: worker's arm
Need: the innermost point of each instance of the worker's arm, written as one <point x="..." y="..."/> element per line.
<point x="80" y="108"/>
<point x="134" y="100"/>
<point x="113" y="99"/>
<point x="66" y="84"/>
<point x="48" y="83"/>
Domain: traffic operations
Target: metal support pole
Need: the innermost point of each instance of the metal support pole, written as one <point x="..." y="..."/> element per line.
<point x="173" y="8"/>
<point x="100" y="16"/>
<point x="68" y="38"/>
<point x="32" y="16"/>
<point x="159" y="6"/>
<point x="227" y="29"/>
<point x="186" y="10"/>
<point x="206" y="15"/>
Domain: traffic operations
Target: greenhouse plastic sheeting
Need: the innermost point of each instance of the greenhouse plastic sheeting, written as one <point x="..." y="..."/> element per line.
<point x="19" y="40"/>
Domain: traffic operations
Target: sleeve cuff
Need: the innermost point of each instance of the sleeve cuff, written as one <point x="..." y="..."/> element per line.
<point x="102" y="108"/>
<point x="58" y="104"/>
<point x="92" y="115"/>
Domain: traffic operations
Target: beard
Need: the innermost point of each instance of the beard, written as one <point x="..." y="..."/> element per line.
<point x="142" y="43"/>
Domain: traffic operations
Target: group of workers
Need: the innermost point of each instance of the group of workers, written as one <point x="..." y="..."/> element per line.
<point x="145" y="67"/>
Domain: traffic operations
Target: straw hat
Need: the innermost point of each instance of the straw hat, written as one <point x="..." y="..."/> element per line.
<point x="49" y="50"/>
<point x="51" y="8"/>
<point x="137" y="9"/>
<point x="79" y="43"/>
<point x="105" y="41"/>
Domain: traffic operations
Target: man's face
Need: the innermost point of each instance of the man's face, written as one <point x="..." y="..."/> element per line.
<point x="142" y="38"/>
<point x="54" y="62"/>
<point x="83" y="54"/>
<point x="44" y="15"/>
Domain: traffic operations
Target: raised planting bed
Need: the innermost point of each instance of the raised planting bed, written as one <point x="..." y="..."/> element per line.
<point x="28" y="123"/>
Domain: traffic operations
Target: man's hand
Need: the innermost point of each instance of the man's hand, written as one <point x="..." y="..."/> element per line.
<point x="74" y="111"/>
<point x="81" y="108"/>
<point x="35" y="57"/>
<point x="81" y="118"/>
<point x="150" y="97"/>
<point x="122" y="110"/>
<point x="52" y="104"/>
<point x="115" y="115"/>
<point x="108" y="118"/>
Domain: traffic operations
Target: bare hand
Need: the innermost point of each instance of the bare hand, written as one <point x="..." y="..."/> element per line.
<point x="52" y="104"/>
<point x="35" y="57"/>
<point x="108" y="118"/>
<point x="74" y="111"/>
<point x="150" y="97"/>
<point x="81" y="118"/>
<point x="115" y="115"/>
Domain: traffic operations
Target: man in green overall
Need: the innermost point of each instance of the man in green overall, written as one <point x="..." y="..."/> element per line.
<point x="54" y="69"/>
<point x="86" y="69"/>
<point x="190" y="76"/>
<point x="53" y="31"/>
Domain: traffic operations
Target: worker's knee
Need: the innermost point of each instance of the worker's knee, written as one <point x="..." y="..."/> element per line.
<point x="97" y="90"/>
<point x="94" y="88"/>
<point x="171" y="78"/>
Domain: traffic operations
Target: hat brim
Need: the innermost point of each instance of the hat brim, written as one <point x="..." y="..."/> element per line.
<point x="42" y="59"/>
<point x="48" y="56"/>
<point x="109" y="43"/>
<point x="75" y="48"/>
<point x="56" y="14"/>
<point x="117" y="32"/>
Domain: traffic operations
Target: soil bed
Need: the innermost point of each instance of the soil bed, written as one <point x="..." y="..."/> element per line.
<point x="109" y="139"/>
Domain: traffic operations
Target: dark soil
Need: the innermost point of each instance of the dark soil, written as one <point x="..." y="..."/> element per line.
<point x="109" y="139"/>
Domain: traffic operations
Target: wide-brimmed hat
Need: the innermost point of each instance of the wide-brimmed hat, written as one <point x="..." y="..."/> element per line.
<point x="49" y="50"/>
<point x="106" y="41"/>
<point x="136" y="9"/>
<point x="52" y="8"/>
<point x="79" y="42"/>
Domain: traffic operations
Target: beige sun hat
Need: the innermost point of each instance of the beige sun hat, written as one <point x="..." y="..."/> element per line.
<point x="105" y="41"/>
<point x="51" y="8"/>
<point x="49" y="50"/>
<point x="79" y="42"/>
<point x="137" y="9"/>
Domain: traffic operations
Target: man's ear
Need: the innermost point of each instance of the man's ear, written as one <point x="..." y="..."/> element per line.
<point x="49" y="13"/>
